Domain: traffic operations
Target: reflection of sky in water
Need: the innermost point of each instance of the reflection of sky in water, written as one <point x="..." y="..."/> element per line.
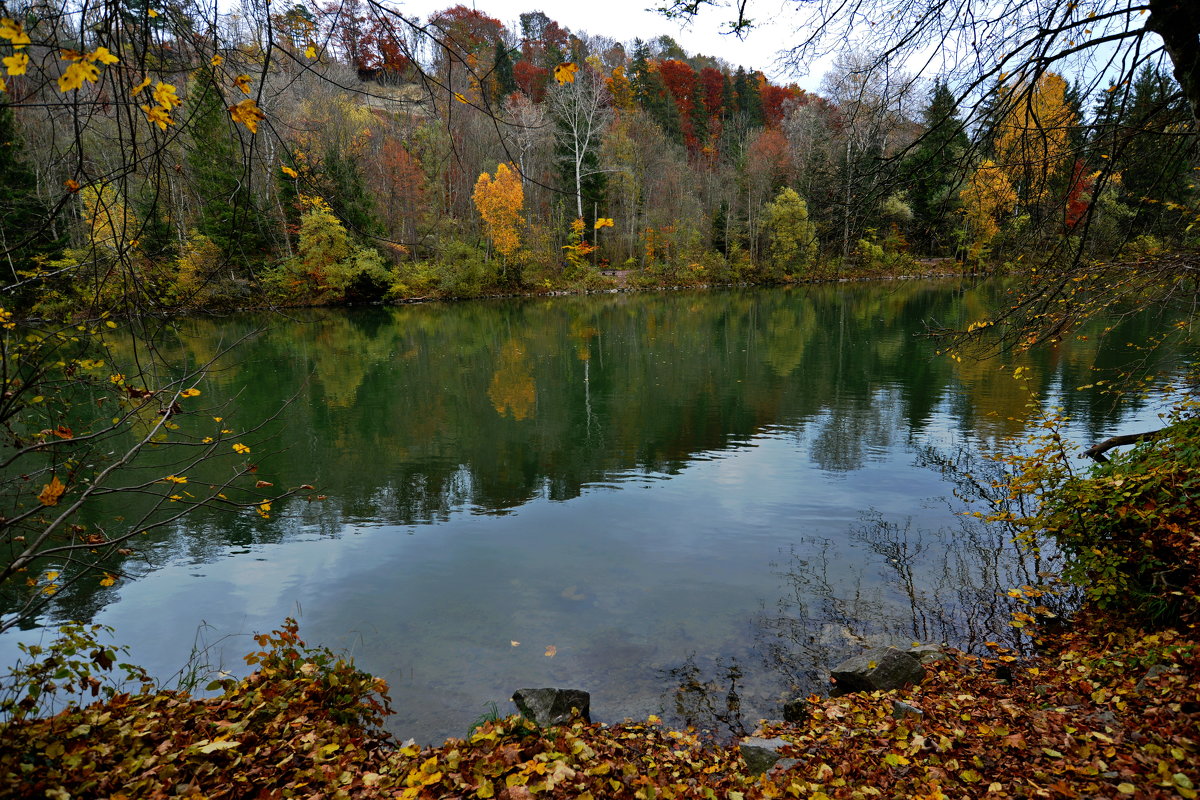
<point x="640" y="573"/>
<point x="625" y="581"/>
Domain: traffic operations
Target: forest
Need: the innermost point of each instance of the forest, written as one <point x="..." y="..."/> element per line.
<point x="155" y="158"/>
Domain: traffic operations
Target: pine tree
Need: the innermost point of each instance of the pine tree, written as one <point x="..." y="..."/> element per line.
<point x="932" y="171"/>
<point x="502" y="73"/>
<point x="347" y="194"/>
<point x="227" y="212"/>
<point x="1155" y="159"/>
<point x="749" y="101"/>
<point x="27" y="231"/>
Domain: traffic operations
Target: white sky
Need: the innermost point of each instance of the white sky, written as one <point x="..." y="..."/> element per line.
<point x="625" y="20"/>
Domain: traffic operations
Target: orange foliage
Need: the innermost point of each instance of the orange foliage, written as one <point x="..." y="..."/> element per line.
<point x="499" y="201"/>
<point x="773" y="98"/>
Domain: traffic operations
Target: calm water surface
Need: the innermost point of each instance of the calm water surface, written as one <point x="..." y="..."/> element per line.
<point x="700" y="501"/>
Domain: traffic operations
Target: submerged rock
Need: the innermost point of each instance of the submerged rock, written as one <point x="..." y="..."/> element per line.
<point x="797" y="710"/>
<point x="548" y="707"/>
<point x="760" y="754"/>
<point x="877" y="670"/>
<point x="926" y="653"/>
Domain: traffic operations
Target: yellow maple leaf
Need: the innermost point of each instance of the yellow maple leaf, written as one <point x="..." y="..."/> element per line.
<point x="138" y="89"/>
<point x="16" y="65"/>
<point x="603" y="222"/>
<point x="14" y="32"/>
<point x="164" y="95"/>
<point x="248" y="113"/>
<point x="193" y="392"/>
<point x="51" y="492"/>
<point x="74" y="76"/>
<point x="310" y="52"/>
<point x="565" y="73"/>
<point x="103" y="55"/>
<point x="158" y="115"/>
<point x="291" y="173"/>
<point x="241" y="449"/>
<point x="70" y="55"/>
<point x="108" y="580"/>
<point x="242" y="82"/>
<point x="217" y="60"/>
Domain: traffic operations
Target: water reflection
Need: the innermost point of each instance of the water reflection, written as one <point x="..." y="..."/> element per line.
<point x="746" y="498"/>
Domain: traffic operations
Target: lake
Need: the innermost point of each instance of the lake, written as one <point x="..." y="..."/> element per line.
<point x="686" y="503"/>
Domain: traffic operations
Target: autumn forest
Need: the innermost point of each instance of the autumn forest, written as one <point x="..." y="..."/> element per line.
<point x="349" y="154"/>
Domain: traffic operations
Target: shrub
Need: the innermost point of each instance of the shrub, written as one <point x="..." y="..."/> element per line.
<point x="1131" y="528"/>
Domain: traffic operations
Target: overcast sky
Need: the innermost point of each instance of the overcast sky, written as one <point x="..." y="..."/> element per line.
<point x="624" y="20"/>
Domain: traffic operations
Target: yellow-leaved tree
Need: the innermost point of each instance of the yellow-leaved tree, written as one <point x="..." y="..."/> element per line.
<point x="1032" y="142"/>
<point x="499" y="199"/>
<point x="988" y="196"/>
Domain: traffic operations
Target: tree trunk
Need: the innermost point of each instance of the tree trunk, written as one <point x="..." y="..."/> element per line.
<point x="1178" y="23"/>
<point x="1097" y="451"/>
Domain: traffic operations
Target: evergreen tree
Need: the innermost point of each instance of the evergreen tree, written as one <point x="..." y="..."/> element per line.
<point x="726" y="96"/>
<point x="749" y="101"/>
<point x="1156" y="158"/>
<point x="347" y="194"/>
<point x="503" y="81"/>
<point x="991" y="113"/>
<point x="27" y="231"/>
<point x="651" y="94"/>
<point x="227" y="215"/>
<point x="639" y="72"/>
<point x="932" y="171"/>
<point x="1077" y="133"/>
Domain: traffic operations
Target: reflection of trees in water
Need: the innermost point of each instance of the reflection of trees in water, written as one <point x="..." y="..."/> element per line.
<point x="395" y="416"/>
<point x="887" y="583"/>
<point x="707" y="696"/>
<point x="899" y="584"/>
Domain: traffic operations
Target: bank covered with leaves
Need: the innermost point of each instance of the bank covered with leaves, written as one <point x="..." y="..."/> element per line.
<point x="1104" y="706"/>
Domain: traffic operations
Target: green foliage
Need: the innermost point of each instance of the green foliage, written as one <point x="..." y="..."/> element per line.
<point x="933" y="173"/>
<point x="196" y="272"/>
<point x="27" y="230"/>
<point x="460" y="270"/>
<point x="75" y="668"/>
<point x="228" y="214"/>
<point x="1126" y="528"/>
<point x="1131" y="528"/>
<point x="329" y="267"/>
<point x="791" y="238"/>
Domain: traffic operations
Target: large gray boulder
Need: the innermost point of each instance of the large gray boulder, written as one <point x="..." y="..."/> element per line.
<point x="548" y="707"/>
<point x="877" y="670"/>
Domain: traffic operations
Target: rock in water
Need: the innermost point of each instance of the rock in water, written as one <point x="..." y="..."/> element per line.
<point x="760" y="754"/>
<point x="877" y="670"/>
<point x="548" y="707"/>
<point x="797" y="711"/>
